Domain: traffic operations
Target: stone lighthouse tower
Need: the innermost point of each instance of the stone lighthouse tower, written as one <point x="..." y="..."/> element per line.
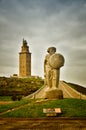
<point x="24" y="61"/>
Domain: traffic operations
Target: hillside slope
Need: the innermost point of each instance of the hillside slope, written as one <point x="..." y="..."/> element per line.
<point x="68" y="92"/>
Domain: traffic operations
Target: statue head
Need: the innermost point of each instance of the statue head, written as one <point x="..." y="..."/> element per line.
<point x="51" y="50"/>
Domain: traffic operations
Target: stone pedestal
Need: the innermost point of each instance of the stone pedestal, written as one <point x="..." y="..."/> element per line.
<point x="54" y="94"/>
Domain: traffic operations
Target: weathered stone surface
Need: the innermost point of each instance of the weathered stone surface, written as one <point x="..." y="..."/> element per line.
<point x="56" y="60"/>
<point x="52" y="63"/>
<point x="24" y="61"/>
<point x="54" y="94"/>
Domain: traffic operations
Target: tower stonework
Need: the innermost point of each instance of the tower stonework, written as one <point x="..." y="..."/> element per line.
<point x="24" y="61"/>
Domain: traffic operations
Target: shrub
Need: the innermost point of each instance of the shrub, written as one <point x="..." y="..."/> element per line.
<point x="19" y="97"/>
<point x="14" y="97"/>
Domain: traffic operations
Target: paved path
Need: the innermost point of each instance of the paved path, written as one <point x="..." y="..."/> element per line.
<point x="69" y="92"/>
<point x="43" y="123"/>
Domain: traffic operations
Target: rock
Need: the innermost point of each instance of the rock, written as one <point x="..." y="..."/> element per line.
<point x="54" y="94"/>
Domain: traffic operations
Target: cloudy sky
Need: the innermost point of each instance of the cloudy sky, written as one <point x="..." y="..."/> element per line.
<point x="44" y="23"/>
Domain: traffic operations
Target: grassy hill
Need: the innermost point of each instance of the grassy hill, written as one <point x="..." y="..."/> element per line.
<point x="77" y="87"/>
<point x="34" y="108"/>
<point x="19" y="86"/>
<point x="16" y="88"/>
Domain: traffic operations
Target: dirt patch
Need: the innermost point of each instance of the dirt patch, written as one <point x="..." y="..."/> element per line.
<point x="2" y="103"/>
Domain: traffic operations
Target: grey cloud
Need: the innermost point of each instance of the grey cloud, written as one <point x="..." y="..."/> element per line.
<point x="59" y="23"/>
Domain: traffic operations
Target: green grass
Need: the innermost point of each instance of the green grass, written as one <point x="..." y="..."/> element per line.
<point x="13" y="104"/>
<point x="19" y="86"/>
<point x="34" y="109"/>
<point x="5" y="98"/>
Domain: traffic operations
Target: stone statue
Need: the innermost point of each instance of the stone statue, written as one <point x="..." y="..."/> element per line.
<point x="52" y="63"/>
